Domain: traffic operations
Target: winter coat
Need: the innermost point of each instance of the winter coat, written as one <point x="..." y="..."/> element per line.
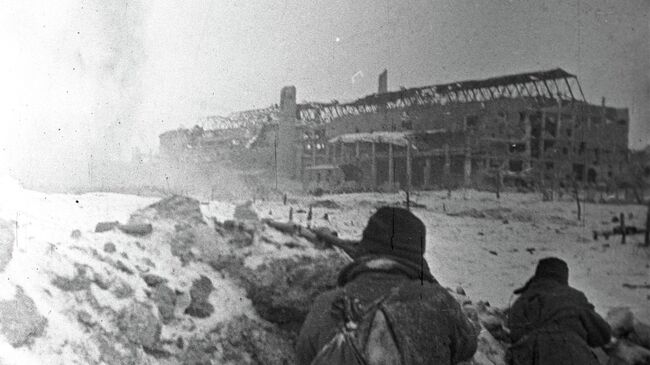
<point x="554" y="324"/>
<point x="429" y="326"/>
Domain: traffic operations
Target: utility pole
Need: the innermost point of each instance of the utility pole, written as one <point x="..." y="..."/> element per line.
<point x="622" y="221"/>
<point x="275" y="159"/>
<point x="646" y="242"/>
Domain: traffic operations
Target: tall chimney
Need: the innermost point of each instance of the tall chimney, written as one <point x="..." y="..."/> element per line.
<point x="383" y="82"/>
<point x="286" y="149"/>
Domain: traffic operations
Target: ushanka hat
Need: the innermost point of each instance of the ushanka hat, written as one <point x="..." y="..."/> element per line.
<point x="549" y="268"/>
<point x="395" y="232"/>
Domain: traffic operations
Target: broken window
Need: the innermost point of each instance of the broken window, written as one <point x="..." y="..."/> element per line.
<point x="581" y="119"/>
<point x="569" y="132"/>
<point x="565" y="151"/>
<point x="407" y="124"/>
<point x="522" y="117"/>
<point x="622" y="122"/>
<point x="502" y="128"/>
<point x="591" y="176"/>
<point x="551" y="125"/>
<point x="581" y="150"/>
<point x="472" y="121"/>
<point x="502" y="115"/>
<point x="549" y="166"/>
<point x="516" y="165"/>
<point x="534" y="148"/>
<point x="595" y="120"/>
<point x="566" y="117"/>
<point x="517" y="147"/>
<point x="548" y="145"/>
<point x="578" y="171"/>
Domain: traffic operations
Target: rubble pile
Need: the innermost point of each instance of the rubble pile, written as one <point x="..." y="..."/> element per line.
<point x="633" y="338"/>
<point x="193" y="291"/>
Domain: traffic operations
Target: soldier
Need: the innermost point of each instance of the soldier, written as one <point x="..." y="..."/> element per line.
<point x="426" y="324"/>
<point x="552" y="323"/>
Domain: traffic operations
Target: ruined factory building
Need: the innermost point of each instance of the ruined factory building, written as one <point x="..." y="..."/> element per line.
<point x="532" y="129"/>
<point x="533" y="126"/>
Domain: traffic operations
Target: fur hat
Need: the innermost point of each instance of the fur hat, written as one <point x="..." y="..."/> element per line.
<point x="549" y="268"/>
<point x="394" y="232"/>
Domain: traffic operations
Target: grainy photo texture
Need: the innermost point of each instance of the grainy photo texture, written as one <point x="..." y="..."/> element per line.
<point x="353" y="182"/>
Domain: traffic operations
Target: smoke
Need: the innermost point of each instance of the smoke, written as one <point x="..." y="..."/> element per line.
<point x="113" y="56"/>
<point x="72" y="86"/>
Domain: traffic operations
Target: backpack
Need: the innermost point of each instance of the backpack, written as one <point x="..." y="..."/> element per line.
<point x="365" y="335"/>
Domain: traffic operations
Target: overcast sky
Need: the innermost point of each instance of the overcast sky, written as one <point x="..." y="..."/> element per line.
<point x="118" y="72"/>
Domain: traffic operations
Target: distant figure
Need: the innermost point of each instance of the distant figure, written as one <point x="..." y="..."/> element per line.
<point x="552" y="323"/>
<point x="416" y="321"/>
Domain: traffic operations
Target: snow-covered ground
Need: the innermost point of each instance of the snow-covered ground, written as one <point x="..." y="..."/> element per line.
<point x="490" y="247"/>
<point x="487" y="246"/>
<point x="45" y="248"/>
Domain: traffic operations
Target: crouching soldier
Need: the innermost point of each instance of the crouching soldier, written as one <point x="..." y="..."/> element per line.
<point x="388" y="308"/>
<point x="552" y="323"/>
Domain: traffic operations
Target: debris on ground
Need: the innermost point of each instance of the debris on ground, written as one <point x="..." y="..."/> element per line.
<point x="196" y="290"/>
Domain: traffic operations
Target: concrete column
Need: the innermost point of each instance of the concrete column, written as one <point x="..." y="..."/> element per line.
<point x="313" y="154"/>
<point x="356" y="149"/>
<point x="559" y="119"/>
<point x="409" y="172"/>
<point x="467" y="172"/>
<point x="334" y="150"/>
<point x="373" y="166"/>
<point x="527" y="133"/>
<point x="391" y="167"/>
<point x="327" y="153"/>
<point x="446" y="170"/>
<point x="427" y="171"/>
<point x="541" y="136"/>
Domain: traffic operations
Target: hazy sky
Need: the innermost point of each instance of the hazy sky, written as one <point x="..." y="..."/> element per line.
<point x="120" y="72"/>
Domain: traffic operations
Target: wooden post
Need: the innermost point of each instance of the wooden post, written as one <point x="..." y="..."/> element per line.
<point x="391" y="168"/>
<point x="313" y="154"/>
<point x="408" y="200"/>
<point x="446" y="171"/>
<point x="467" y="172"/>
<point x="622" y="221"/>
<point x="528" y="131"/>
<point x="427" y="172"/>
<point x="499" y="183"/>
<point x="408" y="166"/>
<point x="646" y="241"/>
<point x="577" y="196"/>
<point x="373" y="165"/>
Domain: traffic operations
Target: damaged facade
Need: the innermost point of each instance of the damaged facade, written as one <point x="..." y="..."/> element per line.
<point x="532" y="129"/>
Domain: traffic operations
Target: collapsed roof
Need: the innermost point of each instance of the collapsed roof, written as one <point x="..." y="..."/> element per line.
<point x="543" y="85"/>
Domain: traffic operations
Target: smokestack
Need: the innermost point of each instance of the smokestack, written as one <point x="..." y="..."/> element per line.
<point x="383" y="82"/>
<point x="286" y="149"/>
